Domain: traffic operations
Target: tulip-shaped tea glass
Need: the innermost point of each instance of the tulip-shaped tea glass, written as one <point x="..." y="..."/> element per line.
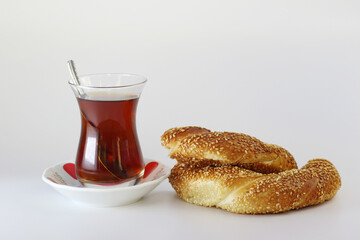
<point x="109" y="150"/>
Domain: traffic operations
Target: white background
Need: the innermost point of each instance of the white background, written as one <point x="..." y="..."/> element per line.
<point x="286" y="72"/>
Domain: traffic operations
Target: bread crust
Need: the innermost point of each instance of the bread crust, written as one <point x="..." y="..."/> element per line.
<point x="240" y="190"/>
<point x="201" y="147"/>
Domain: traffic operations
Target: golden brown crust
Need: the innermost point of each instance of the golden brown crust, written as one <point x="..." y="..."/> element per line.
<point x="243" y="191"/>
<point x="257" y="167"/>
<point x="174" y="135"/>
<point x="200" y="146"/>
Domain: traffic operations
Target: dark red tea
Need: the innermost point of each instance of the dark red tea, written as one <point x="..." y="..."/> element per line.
<point x="109" y="151"/>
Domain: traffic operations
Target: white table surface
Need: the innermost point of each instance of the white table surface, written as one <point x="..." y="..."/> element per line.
<point x="286" y="72"/>
<point x="30" y="209"/>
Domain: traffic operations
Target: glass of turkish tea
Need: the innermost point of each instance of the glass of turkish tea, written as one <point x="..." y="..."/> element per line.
<point x="109" y="151"/>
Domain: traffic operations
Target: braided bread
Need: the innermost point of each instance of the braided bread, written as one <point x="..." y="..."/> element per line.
<point x="201" y="147"/>
<point x="243" y="191"/>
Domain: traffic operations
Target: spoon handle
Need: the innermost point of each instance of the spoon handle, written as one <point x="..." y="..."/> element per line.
<point x="73" y="73"/>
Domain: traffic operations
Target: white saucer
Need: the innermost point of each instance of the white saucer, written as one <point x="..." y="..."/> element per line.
<point x="62" y="178"/>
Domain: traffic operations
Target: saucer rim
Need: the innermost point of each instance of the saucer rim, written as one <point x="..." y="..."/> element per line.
<point x="112" y="189"/>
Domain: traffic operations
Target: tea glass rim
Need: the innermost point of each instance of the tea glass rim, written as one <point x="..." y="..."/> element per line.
<point x="109" y="87"/>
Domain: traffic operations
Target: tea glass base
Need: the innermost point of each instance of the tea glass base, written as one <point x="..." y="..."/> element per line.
<point x="126" y="183"/>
